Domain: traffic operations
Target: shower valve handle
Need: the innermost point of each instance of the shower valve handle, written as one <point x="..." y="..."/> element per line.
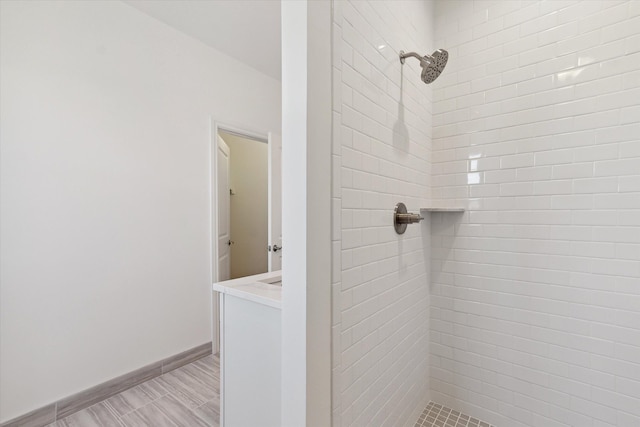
<point x="401" y="218"/>
<point x="408" y="218"/>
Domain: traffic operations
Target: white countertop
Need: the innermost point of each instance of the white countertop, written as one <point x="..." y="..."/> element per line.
<point x="254" y="288"/>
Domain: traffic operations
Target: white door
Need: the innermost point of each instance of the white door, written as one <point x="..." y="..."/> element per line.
<point x="275" y="202"/>
<point x="224" y="211"/>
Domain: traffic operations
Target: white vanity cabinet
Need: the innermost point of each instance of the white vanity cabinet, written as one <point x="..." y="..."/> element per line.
<point x="250" y="354"/>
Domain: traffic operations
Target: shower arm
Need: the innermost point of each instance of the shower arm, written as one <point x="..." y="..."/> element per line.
<point x="404" y="55"/>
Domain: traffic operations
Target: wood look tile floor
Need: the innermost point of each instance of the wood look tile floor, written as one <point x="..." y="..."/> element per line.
<point x="185" y="397"/>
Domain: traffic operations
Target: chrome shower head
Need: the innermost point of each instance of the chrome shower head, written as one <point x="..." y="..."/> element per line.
<point x="432" y="65"/>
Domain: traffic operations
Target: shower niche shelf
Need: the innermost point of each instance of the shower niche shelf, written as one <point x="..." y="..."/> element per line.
<point x="442" y="209"/>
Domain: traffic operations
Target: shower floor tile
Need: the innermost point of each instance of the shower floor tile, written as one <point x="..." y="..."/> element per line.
<point x="435" y="415"/>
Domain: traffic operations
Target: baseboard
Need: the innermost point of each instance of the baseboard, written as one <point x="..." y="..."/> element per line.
<point x="79" y="401"/>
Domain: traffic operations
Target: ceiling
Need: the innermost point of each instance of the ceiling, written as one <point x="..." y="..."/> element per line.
<point x="247" y="30"/>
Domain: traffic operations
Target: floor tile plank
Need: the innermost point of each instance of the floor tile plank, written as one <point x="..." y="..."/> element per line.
<point x="98" y="415"/>
<point x="145" y="416"/>
<point x="129" y="400"/>
<point x="185" y="379"/>
<point x="210" y="412"/>
<point x="153" y="389"/>
<point x="178" y="413"/>
<point x="187" y="396"/>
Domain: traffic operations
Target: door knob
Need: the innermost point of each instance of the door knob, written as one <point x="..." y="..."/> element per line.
<point x="275" y="248"/>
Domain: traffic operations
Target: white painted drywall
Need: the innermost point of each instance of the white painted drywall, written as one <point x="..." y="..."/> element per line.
<point x="222" y="25"/>
<point x="105" y="191"/>
<point x="306" y="216"/>
<point x="249" y="178"/>
<point x="382" y="147"/>
<point x="294" y="225"/>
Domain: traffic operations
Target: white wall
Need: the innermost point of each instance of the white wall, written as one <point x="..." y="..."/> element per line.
<point x="249" y="178"/>
<point x="105" y="191"/>
<point x="306" y="215"/>
<point x="382" y="145"/>
<point x="536" y="290"/>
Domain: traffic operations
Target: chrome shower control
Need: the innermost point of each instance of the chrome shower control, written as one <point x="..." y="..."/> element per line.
<point x="401" y="218"/>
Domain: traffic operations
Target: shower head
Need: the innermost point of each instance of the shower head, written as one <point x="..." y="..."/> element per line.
<point x="432" y="65"/>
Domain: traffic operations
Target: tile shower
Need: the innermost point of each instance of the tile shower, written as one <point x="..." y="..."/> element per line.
<point x="524" y="310"/>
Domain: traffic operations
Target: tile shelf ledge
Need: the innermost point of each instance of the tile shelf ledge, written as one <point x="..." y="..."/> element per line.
<point x="442" y="209"/>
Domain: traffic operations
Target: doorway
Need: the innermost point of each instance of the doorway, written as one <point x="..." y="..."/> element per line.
<point x="243" y="177"/>
<point x="246" y="207"/>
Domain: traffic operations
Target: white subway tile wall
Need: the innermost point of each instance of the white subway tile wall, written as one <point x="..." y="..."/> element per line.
<point x="535" y="290"/>
<point x="381" y="156"/>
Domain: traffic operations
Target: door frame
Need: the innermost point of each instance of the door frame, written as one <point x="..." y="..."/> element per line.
<point x="247" y="132"/>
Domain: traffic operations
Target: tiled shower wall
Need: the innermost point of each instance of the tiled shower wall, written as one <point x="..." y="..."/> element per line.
<point x="535" y="290"/>
<point x="382" y="141"/>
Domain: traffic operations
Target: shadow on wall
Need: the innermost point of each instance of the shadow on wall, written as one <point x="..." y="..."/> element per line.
<point x="402" y="266"/>
<point x="400" y="130"/>
<point x="425" y="232"/>
<point x="443" y="226"/>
